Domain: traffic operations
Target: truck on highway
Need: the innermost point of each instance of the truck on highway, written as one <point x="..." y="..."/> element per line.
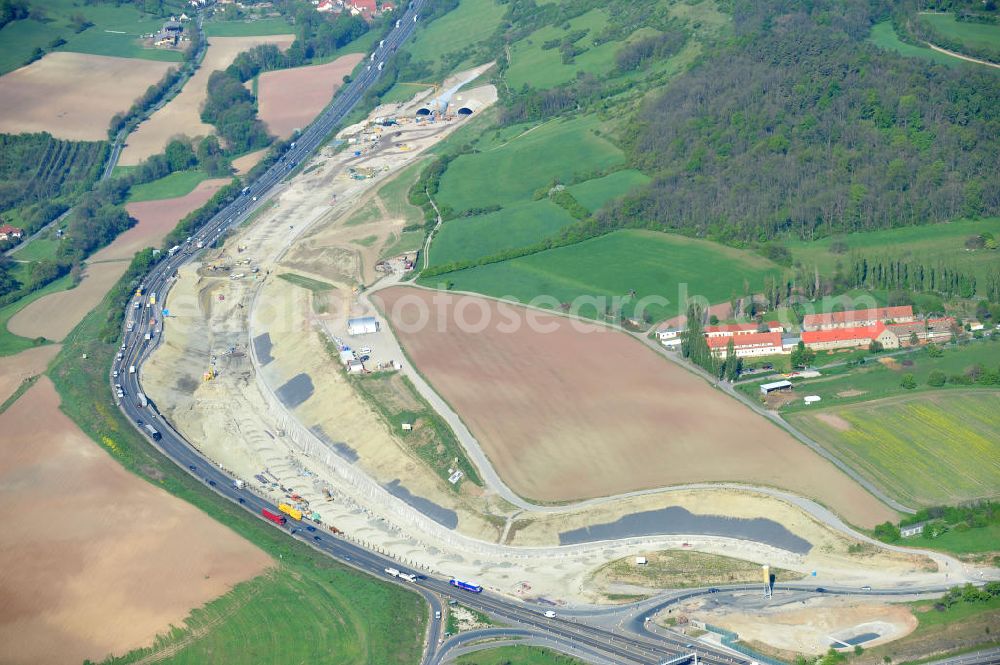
<point x="173" y="250"/>
<point x="131" y="369"/>
<point x="141" y="401"/>
<point x="392" y="572"/>
<point x="152" y="299"/>
<point x="277" y="519"/>
<point x="294" y="513"/>
<point x="381" y="43"/>
<point x="151" y="431"/>
<point x="239" y="484"/>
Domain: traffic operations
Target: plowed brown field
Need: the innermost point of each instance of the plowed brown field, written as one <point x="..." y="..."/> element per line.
<point x="581" y="411"/>
<point x="73" y="95"/>
<point x="182" y="115"/>
<point x="93" y="559"/>
<point x="289" y="99"/>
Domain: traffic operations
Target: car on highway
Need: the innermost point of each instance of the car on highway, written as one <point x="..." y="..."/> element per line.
<point x="437" y="614"/>
<point x="212" y="483"/>
<point x="549" y="614"/>
<point x="713" y="590"/>
<point x="310" y="528"/>
<point x="866" y="588"/>
<point x="820" y="589"/>
<point x="316" y="538"/>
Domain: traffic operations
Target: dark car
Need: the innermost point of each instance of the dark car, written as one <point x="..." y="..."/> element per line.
<point x="713" y="590"/>
<point x="242" y="500"/>
<point x="192" y="467"/>
<point x="316" y="538"/>
<point x="310" y="528"/>
<point x="820" y="589"/>
<point x="212" y="483"/>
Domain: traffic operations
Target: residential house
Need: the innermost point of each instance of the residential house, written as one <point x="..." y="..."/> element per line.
<point x="8" y="232"/>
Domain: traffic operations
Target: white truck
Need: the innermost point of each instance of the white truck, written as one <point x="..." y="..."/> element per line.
<point x="131" y="369"/>
<point x="239" y="484"/>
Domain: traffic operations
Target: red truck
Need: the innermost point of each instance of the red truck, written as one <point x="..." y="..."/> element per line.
<point x="277" y="519"/>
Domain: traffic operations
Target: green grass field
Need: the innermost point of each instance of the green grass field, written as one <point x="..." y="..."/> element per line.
<point x="658" y="264"/>
<point x="927" y="449"/>
<point x="42" y="247"/>
<point x="544" y="68"/>
<point x="936" y="242"/>
<point x="975" y="35"/>
<point x="311" y="609"/>
<point x="592" y="194"/>
<point x="875" y="380"/>
<point x="11" y="343"/>
<point x="469" y="23"/>
<point x="256" y="28"/>
<point x="407" y="241"/>
<point x="517" y="655"/>
<point x="313" y="285"/>
<point x="511" y="171"/>
<point x="179" y="183"/>
<point x="518" y="225"/>
<point x="394" y="194"/>
<point x="884" y="36"/>
<point x="115" y="32"/>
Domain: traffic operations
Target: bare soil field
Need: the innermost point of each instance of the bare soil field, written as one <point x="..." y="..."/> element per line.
<point x="55" y="315"/>
<point x="73" y="95"/>
<point x="242" y="165"/>
<point x="157" y="219"/>
<point x="289" y="99"/>
<point x="79" y="583"/>
<point x="580" y="411"/>
<point x="15" y="369"/>
<point x="182" y="115"/>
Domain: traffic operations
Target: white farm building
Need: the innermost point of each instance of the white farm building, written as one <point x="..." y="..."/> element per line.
<point x="362" y="326"/>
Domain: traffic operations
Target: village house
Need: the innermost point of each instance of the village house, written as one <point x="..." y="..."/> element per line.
<point x="8" y="232"/>
<point x="669" y="337"/>
<point x="858" y="318"/>
<point x="927" y="331"/>
<point x="846" y="338"/>
<point x="746" y="345"/>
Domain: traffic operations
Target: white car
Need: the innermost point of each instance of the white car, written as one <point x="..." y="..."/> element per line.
<point x="549" y="614"/>
<point x="115" y="374"/>
<point x="366" y="349"/>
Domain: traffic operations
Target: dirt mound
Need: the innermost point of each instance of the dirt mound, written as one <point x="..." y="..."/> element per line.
<point x="833" y="420"/>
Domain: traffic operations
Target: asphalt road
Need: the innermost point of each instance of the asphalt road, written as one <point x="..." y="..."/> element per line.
<point x="599" y="634"/>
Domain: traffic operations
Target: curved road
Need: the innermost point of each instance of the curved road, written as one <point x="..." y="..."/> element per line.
<point x="603" y="634"/>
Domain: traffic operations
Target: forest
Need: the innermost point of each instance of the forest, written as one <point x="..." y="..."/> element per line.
<point x="810" y="131"/>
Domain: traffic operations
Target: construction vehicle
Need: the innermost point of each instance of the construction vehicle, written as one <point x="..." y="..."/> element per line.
<point x="209" y="375"/>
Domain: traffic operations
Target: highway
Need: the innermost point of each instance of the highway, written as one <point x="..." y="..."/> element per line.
<point x="616" y="635"/>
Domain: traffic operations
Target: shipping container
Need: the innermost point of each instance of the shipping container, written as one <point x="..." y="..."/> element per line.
<point x="294" y="513"/>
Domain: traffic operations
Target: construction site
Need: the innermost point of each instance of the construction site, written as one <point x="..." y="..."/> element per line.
<point x="276" y="365"/>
